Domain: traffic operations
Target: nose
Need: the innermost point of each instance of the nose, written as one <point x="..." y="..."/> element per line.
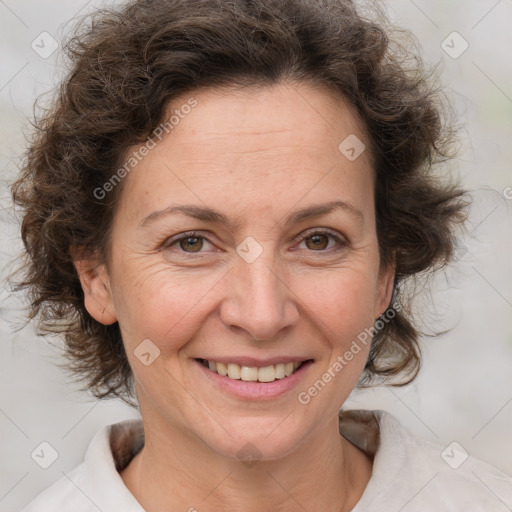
<point x="259" y="303"/>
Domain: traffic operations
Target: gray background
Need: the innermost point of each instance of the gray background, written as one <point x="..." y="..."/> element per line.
<point x="464" y="392"/>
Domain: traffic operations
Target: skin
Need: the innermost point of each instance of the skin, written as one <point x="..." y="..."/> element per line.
<point x="256" y="155"/>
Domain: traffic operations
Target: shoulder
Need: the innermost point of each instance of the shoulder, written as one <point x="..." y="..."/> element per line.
<point x="64" y="494"/>
<point x="410" y="473"/>
<point x="449" y="477"/>
<point x="96" y="484"/>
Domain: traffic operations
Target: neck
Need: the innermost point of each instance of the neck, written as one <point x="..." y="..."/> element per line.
<point x="177" y="472"/>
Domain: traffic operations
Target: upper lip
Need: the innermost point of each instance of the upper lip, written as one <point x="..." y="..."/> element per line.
<point x="254" y="362"/>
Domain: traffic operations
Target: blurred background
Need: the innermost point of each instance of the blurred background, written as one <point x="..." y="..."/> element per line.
<point x="464" y="391"/>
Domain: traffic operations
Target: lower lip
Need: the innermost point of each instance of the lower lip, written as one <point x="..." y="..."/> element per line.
<point x="256" y="390"/>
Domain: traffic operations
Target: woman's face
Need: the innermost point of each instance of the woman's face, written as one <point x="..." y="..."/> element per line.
<point x="260" y="282"/>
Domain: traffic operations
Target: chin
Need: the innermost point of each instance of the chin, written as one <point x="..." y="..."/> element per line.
<point x="256" y="438"/>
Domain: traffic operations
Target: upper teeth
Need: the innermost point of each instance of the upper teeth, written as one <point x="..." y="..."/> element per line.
<point x="252" y="373"/>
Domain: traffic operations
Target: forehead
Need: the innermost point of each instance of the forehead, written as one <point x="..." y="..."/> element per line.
<point x="252" y="146"/>
<point x="262" y="117"/>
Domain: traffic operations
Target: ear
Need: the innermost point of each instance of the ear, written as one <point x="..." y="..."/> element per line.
<point x="385" y="288"/>
<point x="95" y="283"/>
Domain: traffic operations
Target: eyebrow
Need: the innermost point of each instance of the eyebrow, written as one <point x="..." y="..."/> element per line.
<point x="210" y="215"/>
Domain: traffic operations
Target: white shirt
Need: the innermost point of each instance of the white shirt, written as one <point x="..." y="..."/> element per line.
<point x="409" y="474"/>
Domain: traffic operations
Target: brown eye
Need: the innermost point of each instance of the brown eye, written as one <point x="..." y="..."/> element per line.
<point x="322" y="241"/>
<point x="188" y="243"/>
<point x="319" y="241"/>
<point x="194" y="243"/>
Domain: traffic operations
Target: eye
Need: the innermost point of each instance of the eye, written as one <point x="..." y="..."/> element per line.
<point x="317" y="240"/>
<point x="191" y="242"/>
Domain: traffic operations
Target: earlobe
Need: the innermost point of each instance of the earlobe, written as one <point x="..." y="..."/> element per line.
<point x="386" y="285"/>
<point x="97" y="291"/>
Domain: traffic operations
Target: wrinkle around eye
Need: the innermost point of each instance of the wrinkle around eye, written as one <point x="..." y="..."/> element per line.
<point x="338" y="241"/>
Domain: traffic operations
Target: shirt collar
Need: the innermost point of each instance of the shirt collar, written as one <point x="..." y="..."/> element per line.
<point x="115" y="445"/>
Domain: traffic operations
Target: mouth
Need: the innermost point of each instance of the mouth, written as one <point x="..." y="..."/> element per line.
<point x="262" y="374"/>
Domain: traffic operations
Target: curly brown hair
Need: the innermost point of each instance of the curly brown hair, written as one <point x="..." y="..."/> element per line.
<point x="126" y="64"/>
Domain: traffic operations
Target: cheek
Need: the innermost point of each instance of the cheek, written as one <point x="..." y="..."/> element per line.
<point x="163" y="306"/>
<point x="342" y="302"/>
<point x="341" y="312"/>
<point x="169" y="306"/>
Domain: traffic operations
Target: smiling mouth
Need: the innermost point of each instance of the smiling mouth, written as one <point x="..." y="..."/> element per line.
<point x="252" y="373"/>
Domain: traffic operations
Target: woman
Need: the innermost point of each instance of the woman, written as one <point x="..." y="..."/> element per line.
<point x="219" y="212"/>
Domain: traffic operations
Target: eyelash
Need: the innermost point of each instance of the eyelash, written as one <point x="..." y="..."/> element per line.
<point x="308" y="234"/>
